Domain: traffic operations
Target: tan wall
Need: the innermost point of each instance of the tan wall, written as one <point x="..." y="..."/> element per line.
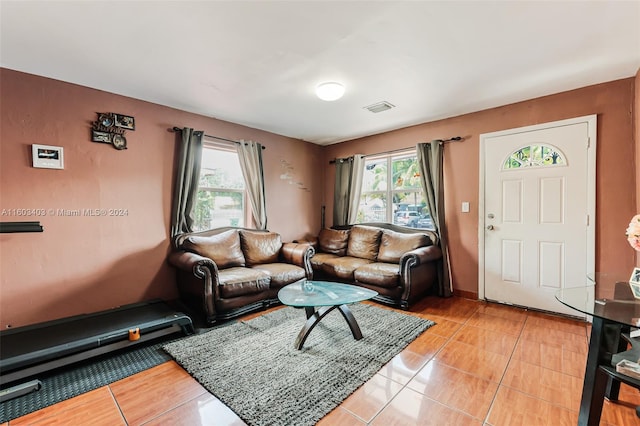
<point x="616" y="189"/>
<point x="85" y="264"/>
<point x="636" y="121"/>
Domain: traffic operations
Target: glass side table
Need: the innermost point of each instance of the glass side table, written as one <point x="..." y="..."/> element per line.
<point x="611" y="318"/>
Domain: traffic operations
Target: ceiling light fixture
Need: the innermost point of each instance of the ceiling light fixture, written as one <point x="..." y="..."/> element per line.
<point x="330" y="91"/>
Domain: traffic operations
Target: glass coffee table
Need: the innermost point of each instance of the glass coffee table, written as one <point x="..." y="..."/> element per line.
<point x="325" y="296"/>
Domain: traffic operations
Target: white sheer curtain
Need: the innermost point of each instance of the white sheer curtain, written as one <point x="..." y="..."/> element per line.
<point x="186" y="182"/>
<point x="250" y="156"/>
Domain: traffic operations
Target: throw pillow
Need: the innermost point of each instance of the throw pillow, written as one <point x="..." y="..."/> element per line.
<point x="260" y="247"/>
<point x="223" y="248"/>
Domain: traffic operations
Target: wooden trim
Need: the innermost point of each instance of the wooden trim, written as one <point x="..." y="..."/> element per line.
<point x="465" y="294"/>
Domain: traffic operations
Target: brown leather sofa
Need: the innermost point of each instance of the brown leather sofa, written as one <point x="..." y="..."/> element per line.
<point x="226" y="272"/>
<point x="399" y="263"/>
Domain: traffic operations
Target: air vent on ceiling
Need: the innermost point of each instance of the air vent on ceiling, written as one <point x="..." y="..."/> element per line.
<point x="380" y="106"/>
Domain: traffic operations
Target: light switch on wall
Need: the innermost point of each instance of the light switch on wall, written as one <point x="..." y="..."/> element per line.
<point x="465" y="207"/>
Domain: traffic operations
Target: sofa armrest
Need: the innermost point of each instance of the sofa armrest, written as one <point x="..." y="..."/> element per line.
<point x="197" y="280"/>
<point x="418" y="271"/>
<point x="313" y="241"/>
<point x="193" y="262"/>
<point x="420" y="256"/>
<point x="298" y="254"/>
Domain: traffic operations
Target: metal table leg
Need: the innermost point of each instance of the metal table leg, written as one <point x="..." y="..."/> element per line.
<point x="605" y="339"/>
<point x="314" y="317"/>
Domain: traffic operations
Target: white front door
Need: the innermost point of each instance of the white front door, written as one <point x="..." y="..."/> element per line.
<point x="538" y="212"/>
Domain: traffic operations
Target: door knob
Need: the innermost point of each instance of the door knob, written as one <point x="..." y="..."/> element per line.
<point x="490" y="227"/>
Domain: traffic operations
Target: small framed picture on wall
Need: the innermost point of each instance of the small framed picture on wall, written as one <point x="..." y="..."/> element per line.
<point x="124" y="122"/>
<point x="97" y="136"/>
<point x="47" y="156"/>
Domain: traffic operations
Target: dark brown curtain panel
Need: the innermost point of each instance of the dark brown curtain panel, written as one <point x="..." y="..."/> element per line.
<point x="186" y="183"/>
<point x="430" y="159"/>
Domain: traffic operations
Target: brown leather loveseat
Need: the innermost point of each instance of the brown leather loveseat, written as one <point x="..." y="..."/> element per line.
<point x="226" y="272"/>
<point x="399" y="263"/>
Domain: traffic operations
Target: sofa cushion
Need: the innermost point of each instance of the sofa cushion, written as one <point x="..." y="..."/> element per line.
<point x="281" y="273"/>
<point x="343" y="267"/>
<point x="319" y="258"/>
<point x="364" y="242"/>
<point x="333" y="241"/>
<point x="260" y="247"/>
<point x="379" y="274"/>
<point x="235" y="282"/>
<point x="394" y="244"/>
<point x="224" y="248"/>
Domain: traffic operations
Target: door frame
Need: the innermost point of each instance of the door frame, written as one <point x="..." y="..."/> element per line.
<point x="591" y="121"/>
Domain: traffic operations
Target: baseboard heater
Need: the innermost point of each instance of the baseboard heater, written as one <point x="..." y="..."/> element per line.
<point x="28" y="351"/>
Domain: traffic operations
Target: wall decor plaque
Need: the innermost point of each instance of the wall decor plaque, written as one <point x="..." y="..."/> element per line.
<point x="110" y="128"/>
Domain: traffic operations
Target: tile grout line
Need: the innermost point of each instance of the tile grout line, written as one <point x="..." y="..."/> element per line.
<point x="115" y="401"/>
<point x="520" y="338"/>
<point x="495" y="395"/>
<point x="405" y="386"/>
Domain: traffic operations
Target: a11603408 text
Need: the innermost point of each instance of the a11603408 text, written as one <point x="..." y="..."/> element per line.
<point x="60" y="212"/>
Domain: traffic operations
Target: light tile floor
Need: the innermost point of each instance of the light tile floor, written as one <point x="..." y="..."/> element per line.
<point x="482" y="364"/>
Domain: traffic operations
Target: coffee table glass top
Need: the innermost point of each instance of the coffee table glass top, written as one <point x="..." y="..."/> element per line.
<point x="322" y="293"/>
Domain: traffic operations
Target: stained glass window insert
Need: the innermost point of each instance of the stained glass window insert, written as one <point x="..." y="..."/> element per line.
<point x="535" y="156"/>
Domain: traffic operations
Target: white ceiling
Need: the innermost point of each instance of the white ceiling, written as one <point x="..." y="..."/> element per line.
<point x="257" y="63"/>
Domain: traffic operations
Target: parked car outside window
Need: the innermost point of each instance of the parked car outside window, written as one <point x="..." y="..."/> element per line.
<point x="422" y="222"/>
<point x="406" y="218"/>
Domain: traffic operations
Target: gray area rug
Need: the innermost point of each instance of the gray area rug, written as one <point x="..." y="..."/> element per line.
<point x="253" y="367"/>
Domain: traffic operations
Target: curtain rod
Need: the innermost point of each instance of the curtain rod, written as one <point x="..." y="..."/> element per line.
<point x="178" y="129"/>
<point x="453" y="139"/>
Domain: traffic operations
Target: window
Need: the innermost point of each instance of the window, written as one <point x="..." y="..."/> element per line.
<point x="535" y="156"/>
<point x="221" y="198"/>
<point x="392" y="192"/>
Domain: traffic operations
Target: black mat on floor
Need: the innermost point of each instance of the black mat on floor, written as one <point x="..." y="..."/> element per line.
<point x="83" y="377"/>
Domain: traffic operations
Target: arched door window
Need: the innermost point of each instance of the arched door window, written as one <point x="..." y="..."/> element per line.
<point x="535" y="156"/>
